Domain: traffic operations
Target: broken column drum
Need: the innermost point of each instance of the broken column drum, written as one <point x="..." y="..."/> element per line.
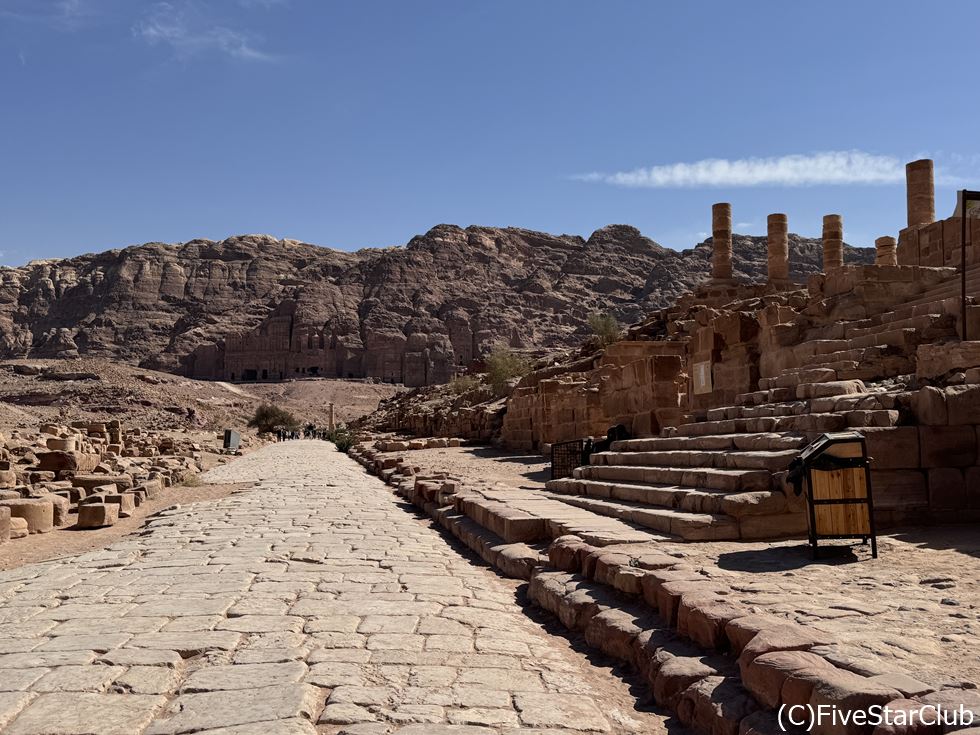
<point x="886" y="251"/>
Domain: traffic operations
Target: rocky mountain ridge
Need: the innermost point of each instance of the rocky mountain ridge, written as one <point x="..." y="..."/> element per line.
<point x="154" y="304"/>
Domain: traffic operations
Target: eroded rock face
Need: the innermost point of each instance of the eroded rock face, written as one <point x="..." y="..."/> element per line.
<point x="249" y="304"/>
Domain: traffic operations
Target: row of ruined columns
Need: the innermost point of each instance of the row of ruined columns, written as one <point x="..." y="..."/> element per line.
<point x="886" y="252"/>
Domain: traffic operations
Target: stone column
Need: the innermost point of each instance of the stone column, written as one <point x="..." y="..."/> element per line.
<point x="330" y="418"/>
<point x="721" y="241"/>
<point x="778" y="241"/>
<point x="920" y="192"/>
<point x="833" y="242"/>
<point x="886" y="251"/>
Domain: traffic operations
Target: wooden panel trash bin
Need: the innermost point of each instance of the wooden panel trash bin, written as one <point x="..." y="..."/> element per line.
<point x="840" y="505"/>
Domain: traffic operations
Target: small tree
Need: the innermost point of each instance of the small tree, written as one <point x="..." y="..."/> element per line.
<point x="269" y="417"/>
<point x="604" y="327"/>
<point x="503" y="365"/>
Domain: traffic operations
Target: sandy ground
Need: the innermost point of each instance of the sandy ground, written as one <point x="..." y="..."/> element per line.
<point x="529" y="471"/>
<point x="103" y="389"/>
<point x="309" y="399"/>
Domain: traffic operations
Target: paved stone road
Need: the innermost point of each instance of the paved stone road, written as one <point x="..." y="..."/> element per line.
<point x="313" y="598"/>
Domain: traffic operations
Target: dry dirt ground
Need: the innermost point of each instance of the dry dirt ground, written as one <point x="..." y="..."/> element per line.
<point x="916" y="607"/>
<point x="98" y="389"/>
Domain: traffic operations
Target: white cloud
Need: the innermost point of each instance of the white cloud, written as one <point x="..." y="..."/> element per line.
<point x="187" y="31"/>
<point x="62" y="15"/>
<point x="831" y="167"/>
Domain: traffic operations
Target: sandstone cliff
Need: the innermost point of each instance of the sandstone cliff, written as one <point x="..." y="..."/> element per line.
<point x="407" y="313"/>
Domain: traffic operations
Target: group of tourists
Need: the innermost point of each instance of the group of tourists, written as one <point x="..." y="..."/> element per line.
<point x="310" y="431"/>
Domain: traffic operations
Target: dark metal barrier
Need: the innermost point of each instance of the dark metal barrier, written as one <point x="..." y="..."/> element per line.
<point x="566" y="456"/>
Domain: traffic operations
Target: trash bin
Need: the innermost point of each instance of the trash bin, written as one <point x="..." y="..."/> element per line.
<point x="836" y="472"/>
<point x="232" y="439"/>
<point x="566" y="456"/>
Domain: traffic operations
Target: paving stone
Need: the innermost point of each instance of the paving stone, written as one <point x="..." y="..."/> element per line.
<point x="11" y="704"/>
<point x="86" y="714"/>
<point x="148" y="680"/>
<point x="18" y="680"/>
<point x="243" y="676"/>
<point x="78" y="679"/>
<point x="141" y="657"/>
<point x="551" y="710"/>
<point x="195" y="712"/>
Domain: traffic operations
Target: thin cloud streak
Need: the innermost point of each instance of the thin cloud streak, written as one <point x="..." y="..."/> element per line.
<point x="826" y="168"/>
<point x="62" y="15"/>
<point x="187" y="34"/>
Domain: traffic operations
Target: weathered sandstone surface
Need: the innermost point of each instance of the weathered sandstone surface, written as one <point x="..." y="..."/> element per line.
<point x="406" y="314"/>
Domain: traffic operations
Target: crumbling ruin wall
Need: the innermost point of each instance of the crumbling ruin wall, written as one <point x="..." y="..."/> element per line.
<point x="637" y="384"/>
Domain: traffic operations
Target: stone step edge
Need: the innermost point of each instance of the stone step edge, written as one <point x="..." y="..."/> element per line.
<point x="514" y="560"/>
<point x="694" y="609"/>
<point x="689" y="693"/>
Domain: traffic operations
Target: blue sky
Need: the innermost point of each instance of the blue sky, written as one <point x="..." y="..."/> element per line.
<point x="355" y="124"/>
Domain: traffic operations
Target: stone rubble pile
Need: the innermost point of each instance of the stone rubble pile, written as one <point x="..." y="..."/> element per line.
<point x="404" y="445"/>
<point x="86" y="474"/>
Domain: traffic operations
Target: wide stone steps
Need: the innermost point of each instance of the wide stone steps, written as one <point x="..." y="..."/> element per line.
<point x="688" y="526"/>
<point x="764" y="442"/>
<point x="876" y="325"/>
<point x="692" y="500"/>
<point x="808" y="424"/>
<point x="949" y="289"/>
<point x="726" y="480"/>
<point x="720" y="459"/>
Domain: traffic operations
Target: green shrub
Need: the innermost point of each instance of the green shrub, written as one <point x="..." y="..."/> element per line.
<point x="269" y="417"/>
<point x="503" y="365"/>
<point x="463" y="384"/>
<point x="342" y="437"/>
<point x="605" y="328"/>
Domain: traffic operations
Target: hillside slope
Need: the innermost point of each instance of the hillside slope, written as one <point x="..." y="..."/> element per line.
<point x="154" y="304"/>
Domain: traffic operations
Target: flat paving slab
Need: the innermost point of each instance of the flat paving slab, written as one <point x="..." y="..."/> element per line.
<point x="316" y="602"/>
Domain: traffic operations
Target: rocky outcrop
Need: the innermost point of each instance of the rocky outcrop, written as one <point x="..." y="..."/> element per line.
<point x="253" y="305"/>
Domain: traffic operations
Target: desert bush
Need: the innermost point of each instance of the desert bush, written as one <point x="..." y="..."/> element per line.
<point x="269" y="417"/>
<point x="605" y="328"/>
<point x="342" y="438"/>
<point x="463" y="384"/>
<point x="503" y="365"/>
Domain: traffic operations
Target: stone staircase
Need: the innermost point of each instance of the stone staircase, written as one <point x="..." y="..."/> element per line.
<point x="881" y="345"/>
<point x="723" y="478"/>
<point x="703" y="649"/>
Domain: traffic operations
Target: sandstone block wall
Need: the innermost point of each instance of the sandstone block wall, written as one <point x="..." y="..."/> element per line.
<point x="640" y="385"/>
<point x="937" y="244"/>
<point x="931" y="469"/>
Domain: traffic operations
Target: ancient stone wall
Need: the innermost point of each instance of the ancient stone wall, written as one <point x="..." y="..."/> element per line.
<point x="637" y="384"/>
